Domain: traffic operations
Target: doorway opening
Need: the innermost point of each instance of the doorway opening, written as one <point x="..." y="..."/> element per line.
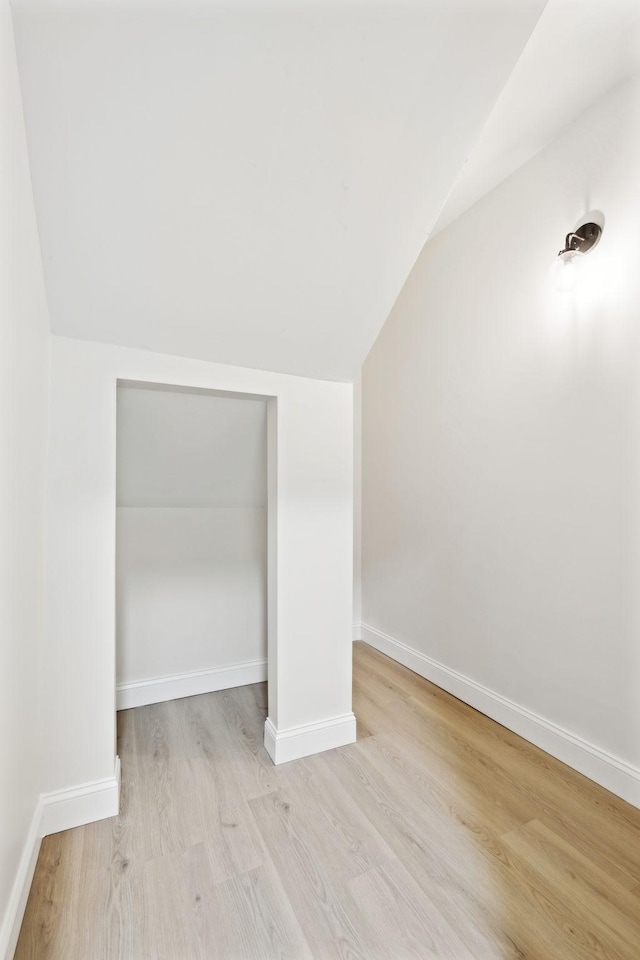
<point x="192" y="520"/>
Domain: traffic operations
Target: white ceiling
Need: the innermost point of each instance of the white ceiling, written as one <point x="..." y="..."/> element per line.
<point x="250" y="182"/>
<point x="579" y="50"/>
<point x="190" y="448"/>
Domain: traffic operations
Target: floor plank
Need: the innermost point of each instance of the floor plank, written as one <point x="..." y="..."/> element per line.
<point x="439" y="834"/>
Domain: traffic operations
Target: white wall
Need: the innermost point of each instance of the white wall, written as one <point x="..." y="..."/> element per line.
<point x="24" y="358"/>
<point x="311" y="546"/>
<point x="191" y="572"/>
<point x="501" y="487"/>
<point x="191" y="590"/>
<point x="357" y="505"/>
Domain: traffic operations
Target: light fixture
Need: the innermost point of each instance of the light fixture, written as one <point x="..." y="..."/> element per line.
<point x="568" y="264"/>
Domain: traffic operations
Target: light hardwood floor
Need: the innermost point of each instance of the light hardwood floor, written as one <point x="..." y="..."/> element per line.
<point x="438" y="834"/>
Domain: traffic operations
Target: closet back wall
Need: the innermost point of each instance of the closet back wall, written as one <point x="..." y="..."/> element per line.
<point x="191" y="542"/>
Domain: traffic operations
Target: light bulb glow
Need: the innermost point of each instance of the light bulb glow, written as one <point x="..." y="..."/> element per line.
<point x="566" y="270"/>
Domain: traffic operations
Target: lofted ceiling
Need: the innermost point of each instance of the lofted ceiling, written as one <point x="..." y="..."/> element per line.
<point x="251" y="181"/>
<point x="189" y="448"/>
<point x="579" y="50"/>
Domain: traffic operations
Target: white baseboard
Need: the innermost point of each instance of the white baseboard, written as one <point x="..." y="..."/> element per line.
<point x="142" y="692"/>
<point x="10" y="929"/>
<point x="609" y="771"/>
<point x="357" y="631"/>
<point x="297" y="742"/>
<point x="86" y="803"/>
<point x="56" y="811"/>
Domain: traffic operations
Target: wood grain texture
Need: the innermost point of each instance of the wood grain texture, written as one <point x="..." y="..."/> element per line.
<point x="438" y="834"/>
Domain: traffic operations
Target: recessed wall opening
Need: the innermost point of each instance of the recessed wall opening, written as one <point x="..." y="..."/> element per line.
<point x="191" y="542"/>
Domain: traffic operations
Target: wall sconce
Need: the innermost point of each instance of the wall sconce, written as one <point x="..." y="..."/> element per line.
<point x="568" y="264"/>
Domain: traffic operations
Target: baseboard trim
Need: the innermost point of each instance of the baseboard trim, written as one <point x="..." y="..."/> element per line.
<point x="157" y="689"/>
<point x="296" y="742"/>
<point x="604" y="768"/>
<point x="357" y="631"/>
<point x="10" y="930"/>
<point x="64" y="809"/>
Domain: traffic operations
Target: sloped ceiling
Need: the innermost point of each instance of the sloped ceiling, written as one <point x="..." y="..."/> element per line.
<point x="189" y="448"/>
<point x="250" y="182"/>
<point x="579" y="51"/>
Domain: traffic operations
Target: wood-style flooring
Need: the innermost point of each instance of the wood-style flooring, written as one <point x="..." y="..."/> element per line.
<point x="438" y="834"/>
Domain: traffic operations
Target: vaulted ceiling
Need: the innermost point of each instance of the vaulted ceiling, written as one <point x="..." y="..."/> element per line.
<point x="251" y="182"/>
<point x="579" y="50"/>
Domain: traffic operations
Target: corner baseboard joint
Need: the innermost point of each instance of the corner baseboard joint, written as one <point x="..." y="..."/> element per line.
<point x="303" y="741"/>
<point x="86" y="803"/>
<point x="60" y="810"/>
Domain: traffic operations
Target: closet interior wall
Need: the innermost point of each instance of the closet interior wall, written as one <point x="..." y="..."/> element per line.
<point x="191" y="542"/>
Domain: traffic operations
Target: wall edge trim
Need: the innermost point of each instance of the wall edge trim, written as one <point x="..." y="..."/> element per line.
<point x="609" y="771"/>
<point x="139" y="693"/>
<point x="294" y="743"/>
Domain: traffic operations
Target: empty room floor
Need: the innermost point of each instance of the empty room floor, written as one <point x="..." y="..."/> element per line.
<point x="438" y="834"/>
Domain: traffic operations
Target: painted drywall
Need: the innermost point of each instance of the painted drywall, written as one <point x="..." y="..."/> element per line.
<point x="191" y="534"/>
<point x="501" y="487"/>
<point x="191" y="585"/>
<point x="24" y="360"/>
<point x="548" y="88"/>
<point x="189" y="448"/>
<point x="255" y="180"/>
<point x="310" y="544"/>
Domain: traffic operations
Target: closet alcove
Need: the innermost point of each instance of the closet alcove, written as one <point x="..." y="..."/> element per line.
<point x="191" y="542"/>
